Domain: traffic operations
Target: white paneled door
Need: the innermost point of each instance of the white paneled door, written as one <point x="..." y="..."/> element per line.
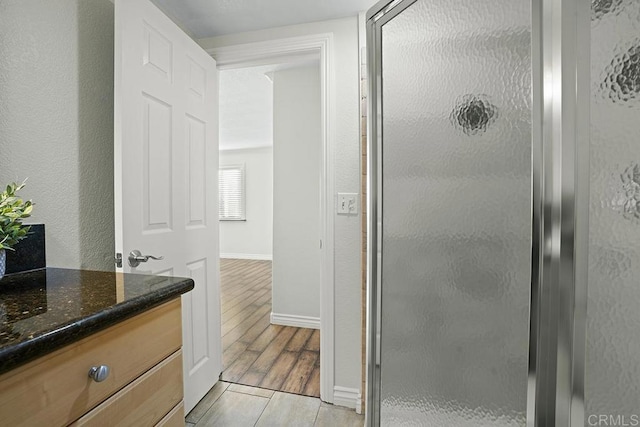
<point x="166" y="171"/>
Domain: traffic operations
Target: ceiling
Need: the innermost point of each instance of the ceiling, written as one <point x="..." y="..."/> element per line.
<point x="208" y="18"/>
<point x="246" y="105"/>
<point x="246" y="108"/>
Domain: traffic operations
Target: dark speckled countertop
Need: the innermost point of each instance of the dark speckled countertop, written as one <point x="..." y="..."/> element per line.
<point x="44" y="310"/>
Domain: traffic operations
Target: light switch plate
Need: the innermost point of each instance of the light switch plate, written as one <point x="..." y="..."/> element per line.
<point x="347" y="203"/>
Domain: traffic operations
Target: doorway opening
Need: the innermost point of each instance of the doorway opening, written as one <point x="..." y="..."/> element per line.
<point x="271" y="224"/>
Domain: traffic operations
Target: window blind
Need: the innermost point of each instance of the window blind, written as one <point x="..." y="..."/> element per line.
<point x="231" y="193"/>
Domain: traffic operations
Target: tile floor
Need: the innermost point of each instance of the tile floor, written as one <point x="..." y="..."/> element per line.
<point x="236" y="405"/>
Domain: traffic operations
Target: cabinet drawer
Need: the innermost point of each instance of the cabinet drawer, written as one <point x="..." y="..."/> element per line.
<point x="145" y="401"/>
<point x="56" y="389"/>
<point x="175" y="418"/>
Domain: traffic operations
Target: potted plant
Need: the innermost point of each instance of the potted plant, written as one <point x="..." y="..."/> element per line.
<point x="12" y="211"/>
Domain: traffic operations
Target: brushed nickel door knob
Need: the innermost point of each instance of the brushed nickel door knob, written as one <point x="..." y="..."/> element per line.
<point x="136" y="257"/>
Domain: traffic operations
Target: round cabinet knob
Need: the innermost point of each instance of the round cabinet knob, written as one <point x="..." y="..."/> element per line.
<point x="99" y="373"/>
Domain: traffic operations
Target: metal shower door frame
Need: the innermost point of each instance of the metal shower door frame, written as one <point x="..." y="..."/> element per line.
<point x="377" y="16"/>
<point x="560" y="52"/>
<point x="561" y="58"/>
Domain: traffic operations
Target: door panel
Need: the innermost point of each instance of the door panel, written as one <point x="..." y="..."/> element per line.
<point x="166" y="172"/>
<point x="196" y="171"/>
<point x="198" y="307"/>
<point x="157" y="165"/>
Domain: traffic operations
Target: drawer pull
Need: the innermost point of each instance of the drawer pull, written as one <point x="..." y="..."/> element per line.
<point x="99" y="373"/>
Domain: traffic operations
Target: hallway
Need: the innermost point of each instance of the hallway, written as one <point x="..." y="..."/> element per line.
<point x="256" y="353"/>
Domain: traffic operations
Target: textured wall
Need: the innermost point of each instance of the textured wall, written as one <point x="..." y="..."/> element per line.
<point x="297" y="151"/>
<point x="252" y="238"/>
<point x="347" y="262"/>
<point x="56" y="121"/>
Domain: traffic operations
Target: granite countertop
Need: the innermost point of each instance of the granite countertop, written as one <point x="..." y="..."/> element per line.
<point x="44" y="310"/>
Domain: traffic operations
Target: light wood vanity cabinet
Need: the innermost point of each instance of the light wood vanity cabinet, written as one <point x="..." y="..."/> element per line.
<point x="143" y="388"/>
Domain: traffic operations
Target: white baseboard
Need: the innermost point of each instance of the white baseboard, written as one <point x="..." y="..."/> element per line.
<point x="263" y="257"/>
<point x="296" y="321"/>
<point x="347" y="397"/>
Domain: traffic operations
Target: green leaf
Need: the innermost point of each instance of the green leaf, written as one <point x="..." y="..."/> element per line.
<point x="13" y="210"/>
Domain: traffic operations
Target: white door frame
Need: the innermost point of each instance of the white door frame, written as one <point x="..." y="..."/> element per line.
<point x="284" y="50"/>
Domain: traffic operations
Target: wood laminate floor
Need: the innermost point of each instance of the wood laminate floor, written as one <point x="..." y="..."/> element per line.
<point x="256" y="353"/>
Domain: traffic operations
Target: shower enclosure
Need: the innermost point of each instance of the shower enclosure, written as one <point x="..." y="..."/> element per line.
<point x="504" y="235"/>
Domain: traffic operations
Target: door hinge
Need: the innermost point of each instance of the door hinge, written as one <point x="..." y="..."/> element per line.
<point x="118" y="260"/>
<point x="320" y="243"/>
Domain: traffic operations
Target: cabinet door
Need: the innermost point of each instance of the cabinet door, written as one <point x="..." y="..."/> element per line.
<point x="56" y="390"/>
<point x="145" y="401"/>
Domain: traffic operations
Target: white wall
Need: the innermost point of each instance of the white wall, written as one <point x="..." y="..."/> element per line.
<point x="56" y="122"/>
<point x="346" y="148"/>
<point x="253" y="238"/>
<point x="297" y="148"/>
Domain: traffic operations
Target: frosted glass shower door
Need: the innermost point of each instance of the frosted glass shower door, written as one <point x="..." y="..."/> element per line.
<point x="612" y="379"/>
<point x="455" y="213"/>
